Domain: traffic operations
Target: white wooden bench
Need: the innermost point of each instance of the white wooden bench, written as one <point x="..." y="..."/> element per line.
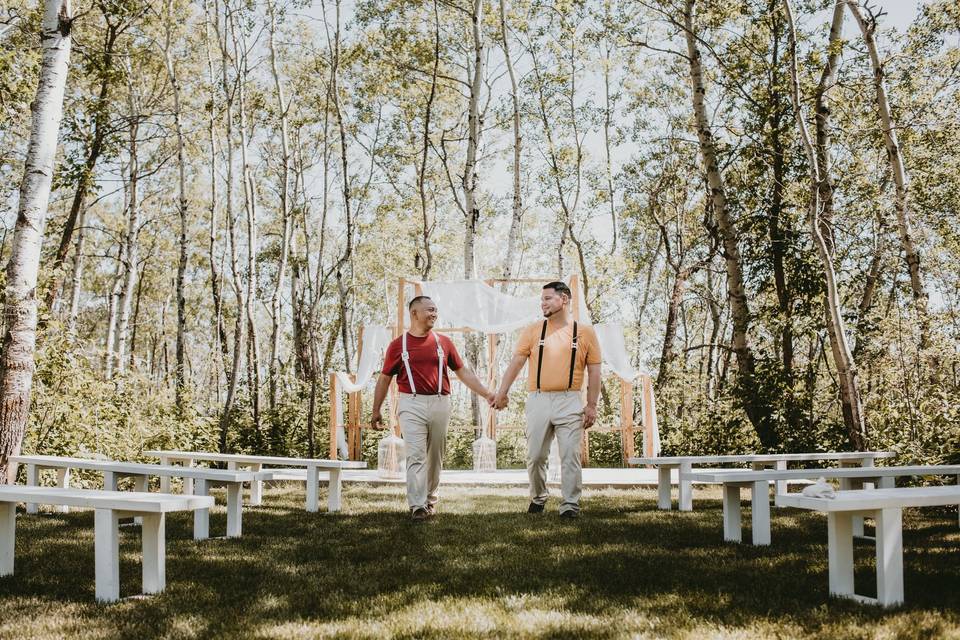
<point x="257" y="464"/>
<point x="140" y="472"/>
<point x="109" y="507"/>
<point x="684" y="466"/>
<point x="885" y="506"/>
<point x="759" y="484"/>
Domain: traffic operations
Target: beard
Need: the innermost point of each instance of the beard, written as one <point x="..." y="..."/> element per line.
<point x="547" y="314"/>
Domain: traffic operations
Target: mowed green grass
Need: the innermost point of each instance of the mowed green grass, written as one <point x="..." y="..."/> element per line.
<point x="481" y="569"/>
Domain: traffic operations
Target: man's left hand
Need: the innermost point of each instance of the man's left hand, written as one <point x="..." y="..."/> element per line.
<point x="589" y="416"/>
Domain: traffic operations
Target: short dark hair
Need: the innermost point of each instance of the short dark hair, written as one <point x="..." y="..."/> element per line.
<point x="559" y="287"/>
<point x="416" y="300"/>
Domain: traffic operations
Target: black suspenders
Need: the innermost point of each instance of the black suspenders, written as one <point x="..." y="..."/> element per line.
<point x="573" y="354"/>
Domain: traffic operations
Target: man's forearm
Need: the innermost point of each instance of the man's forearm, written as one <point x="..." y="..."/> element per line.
<point x="380" y="393"/>
<point x="469" y="377"/>
<point x="509" y="376"/>
<point x="593" y="384"/>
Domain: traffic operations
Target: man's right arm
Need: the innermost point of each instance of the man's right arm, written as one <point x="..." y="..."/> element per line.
<point x="379" y="395"/>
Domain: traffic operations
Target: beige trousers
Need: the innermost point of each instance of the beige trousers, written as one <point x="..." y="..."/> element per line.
<point x="557" y="413"/>
<point x="423" y="420"/>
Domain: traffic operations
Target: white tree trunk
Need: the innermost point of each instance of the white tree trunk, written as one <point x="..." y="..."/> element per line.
<point x="517" y="218"/>
<point x="736" y="287"/>
<point x="900" y="178"/>
<point x="287" y="222"/>
<point x="130" y="243"/>
<point x="77" y="278"/>
<point x="250" y="205"/>
<point x="469" y="181"/>
<point x="843" y="357"/>
<point x="20" y="306"/>
<point x="180" y="369"/>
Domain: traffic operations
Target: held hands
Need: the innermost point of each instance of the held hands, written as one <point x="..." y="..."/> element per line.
<point x="498" y="400"/>
<point x="589" y="416"/>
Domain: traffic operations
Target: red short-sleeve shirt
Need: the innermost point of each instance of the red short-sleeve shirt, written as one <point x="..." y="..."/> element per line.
<point x="423" y="363"/>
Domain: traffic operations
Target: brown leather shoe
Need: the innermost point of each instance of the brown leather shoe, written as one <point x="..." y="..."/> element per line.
<point x="431" y="510"/>
<point x="419" y="514"/>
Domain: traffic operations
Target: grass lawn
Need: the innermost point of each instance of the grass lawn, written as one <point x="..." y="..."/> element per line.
<point x="481" y="569"/>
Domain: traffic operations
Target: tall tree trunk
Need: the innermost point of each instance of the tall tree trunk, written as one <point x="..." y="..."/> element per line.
<point x="216" y="283"/>
<point x="20" y="302"/>
<point x="667" y="353"/>
<point x="180" y="368"/>
<point x="113" y="312"/>
<point x="93" y="153"/>
<point x="756" y="410"/>
<point x="130" y="251"/>
<point x="233" y="375"/>
<point x="777" y="233"/>
<point x="346" y="259"/>
<point x="819" y="172"/>
<point x="513" y="238"/>
<point x="250" y="207"/>
<point x="76" y="286"/>
<point x="901" y="179"/>
<point x="286" y="218"/>
<point x="608" y="124"/>
<point x="427" y="228"/>
<point x="470" y="181"/>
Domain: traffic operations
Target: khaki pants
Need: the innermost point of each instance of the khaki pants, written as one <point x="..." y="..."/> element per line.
<point x="423" y="420"/>
<point x="557" y="413"/>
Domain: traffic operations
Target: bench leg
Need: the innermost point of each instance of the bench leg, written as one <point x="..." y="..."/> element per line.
<point x="840" y="553"/>
<point x="760" y="512"/>
<point x="63" y="481"/>
<point x="889" y="524"/>
<point x="256" y="488"/>
<point x="731" y="513"/>
<point x="201" y="517"/>
<point x="334" y="489"/>
<point x="888" y="482"/>
<point x="313" y="489"/>
<point x="154" y="553"/>
<point x="188" y="482"/>
<point x="165" y="480"/>
<point x="109" y="481"/>
<point x="8" y="536"/>
<point x="107" y="555"/>
<point x="846" y="484"/>
<point x="664" y="499"/>
<point x="781" y="485"/>
<point x="234" y="509"/>
<point x="140" y="486"/>
<point x="686" y="487"/>
<point x="33" y="480"/>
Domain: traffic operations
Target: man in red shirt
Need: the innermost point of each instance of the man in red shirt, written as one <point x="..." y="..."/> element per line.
<point x="421" y="359"/>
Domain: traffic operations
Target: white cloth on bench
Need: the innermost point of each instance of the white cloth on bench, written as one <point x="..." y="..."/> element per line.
<point x="820" y="489"/>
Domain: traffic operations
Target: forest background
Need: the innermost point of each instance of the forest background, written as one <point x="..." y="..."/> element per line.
<point x="764" y="193"/>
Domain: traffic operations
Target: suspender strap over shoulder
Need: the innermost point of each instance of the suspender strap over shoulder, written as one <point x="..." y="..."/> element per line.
<point x="405" y="356"/>
<point x="573" y="355"/>
<point x="543" y="337"/>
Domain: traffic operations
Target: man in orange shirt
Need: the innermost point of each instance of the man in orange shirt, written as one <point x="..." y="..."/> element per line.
<point x="557" y="350"/>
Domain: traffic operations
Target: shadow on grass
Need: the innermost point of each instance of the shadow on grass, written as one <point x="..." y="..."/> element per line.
<point x="483" y="569"/>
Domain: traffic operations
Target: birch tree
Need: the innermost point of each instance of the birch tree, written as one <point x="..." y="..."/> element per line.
<point x="20" y="304"/>
<point x="836" y="326"/>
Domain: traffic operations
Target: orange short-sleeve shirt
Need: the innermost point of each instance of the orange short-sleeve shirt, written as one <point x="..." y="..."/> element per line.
<point x="555" y="373"/>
